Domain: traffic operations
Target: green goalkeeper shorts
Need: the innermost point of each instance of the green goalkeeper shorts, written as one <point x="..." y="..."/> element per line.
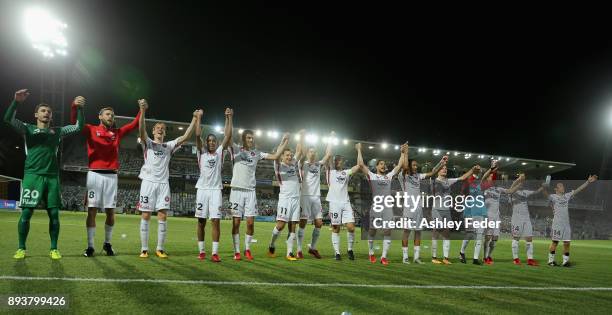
<point x="37" y="188"/>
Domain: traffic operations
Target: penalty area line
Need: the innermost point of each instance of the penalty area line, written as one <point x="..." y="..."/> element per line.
<point x="293" y="284"/>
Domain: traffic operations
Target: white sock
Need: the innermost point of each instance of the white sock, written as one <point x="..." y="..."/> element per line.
<point x="144" y="234"/>
<point x="336" y="242"/>
<point x="477" y="248"/>
<point x="315" y="237"/>
<point x="434" y="248"/>
<point x="108" y="233"/>
<point x="91" y="233"/>
<point x="161" y="234"/>
<point x="290" y="240"/>
<point x="350" y="239"/>
<point x="565" y="257"/>
<point x="551" y="257"/>
<point x="515" y="248"/>
<point x="300" y="239"/>
<point x="201" y="247"/>
<point x="386" y="245"/>
<point x="236" y="238"/>
<point x="370" y="245"/>
<point x="215" y="247"/>
<point x="247" y="241"/>
<point x="405" y="253"/>
<point x="417" y="252"/>
<point x="275" y="233"/>
<point x="445" y="248"/>
<point x="529" y="249"/>
<point x="464" y="245"/>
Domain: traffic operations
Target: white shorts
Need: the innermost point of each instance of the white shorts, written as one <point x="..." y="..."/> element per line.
<point x="154" y="196"/>
<point x="208" y="204"/>
<point x="493" y="231"/>
<point x="561" y="231"/>
<point x="341" y="213"/>
<point x="311" y="208"/>
<point x="416" y="217"/>
<point x="243" y="203"/>
<point x="288" y="209"/>
<point x="521" y="227"/>
<point x="101" y="190"/>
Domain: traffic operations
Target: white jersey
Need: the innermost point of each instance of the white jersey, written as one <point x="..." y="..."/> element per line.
<point x="338" y="185"/>
<point x="411" y="183"/>
<point x="561" y="206"/>
<point x="492" y="197"/>
<point x="210" y="165"/>
<point x="245" y="163"/>
<point x="311" y="178"/>
<point x="519" y="203"/>
<point x="381" y="184"/>
<point x="442" y="188"/>
<point x="156" y="160"/>
<point x="288" y="179"/>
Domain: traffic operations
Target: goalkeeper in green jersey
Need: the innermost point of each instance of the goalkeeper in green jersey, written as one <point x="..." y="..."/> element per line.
<point x="41" y="171"/>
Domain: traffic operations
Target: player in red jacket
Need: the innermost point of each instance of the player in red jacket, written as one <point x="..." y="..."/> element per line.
<point x="102" y="152"/>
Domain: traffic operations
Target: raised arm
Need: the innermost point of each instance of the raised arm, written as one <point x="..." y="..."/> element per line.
<point x="142" y="127"/>
<point x="198" y="130"/>
<point x="591" y="179"/>
<point x="516" y="184"/>
<point x="328" y="150"/>
<point x="360" y="164"/>
<point x="229" y="127"/>
<point x="437" y="167"/>
<point x="9" y="116"/>
<point x="491" y="169"/>
<point x="132" y="125"/>
<point x="280" y="149"/>
<point x="299" y="147"/>
<point x="79" y="103"/>
<point x="403" y="156"/>
<point x="194" y="119"/>
<point x="467" y="174"/>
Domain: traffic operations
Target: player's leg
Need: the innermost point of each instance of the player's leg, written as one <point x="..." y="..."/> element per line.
<point x="32" y="188"/>
<point x="214" y="212"/>
<point x="335" y="215"/>
<point x="446" y="246"/>
<point x="90" y="224"/>
<point x="417" y="247"/>
<point x="435" y="235"/>
<point x="305" y="214"/>
<point x="290" y="239"/>
<point x="469" y="234"/>
<point x="517" y="232"/>
<point x="250" y="212"/>
<point x="405" y="236"/>
<point x="109" y="203"/>
<point x="371" y="236"/>
<point x="216" y="234"/>
<point x="108" y="231"/>
<point x="552" y="249"/>
<point x="566" y="253"/>
<point x="348" y="219"/>
<point x="54" y="202"/>
<point x="200" y="231"/>
<point x="94" y="198"/>
<point x="294" y="219"/>
<point x="280" y="225"/>
<point x="162" y="230"/>
<point x="23" y="228"/>
<point x="201" y="212"/>
<point x="528" y="231"/>
<point x="146" y="205"/>
<point x="316" y="214"/>
<point x="145" y="219"/>
<point x="237" y="206"/>
<point x="478" y="234"/>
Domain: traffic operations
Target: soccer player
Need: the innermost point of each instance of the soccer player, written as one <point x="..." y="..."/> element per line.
<point x="209" y="198"/>
<point x="155" y="188"/>
<point x="477" y="212"/>
<point x="561" y="230"/>
<point x="41" y="172"/>
<point x="380" y="184"/>
<point x="340" y="210"/>
<point x="492" y="197"/>
<point x="288" y="175"/>
<point x="410" y="182"/>
<point x="243" y="201"/>
<point x="521" y="222"/>
<point x="440" y="211"/>
<point x="310" y="199"/>
<point x="102" y="153"/>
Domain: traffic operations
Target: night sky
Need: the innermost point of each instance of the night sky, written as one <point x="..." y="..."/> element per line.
<point x="535" y="85"/>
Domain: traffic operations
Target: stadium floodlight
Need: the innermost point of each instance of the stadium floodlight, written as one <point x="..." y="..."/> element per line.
<point x="240" y="131"/>
<point x="297" y="137"/>
<point x="456" y="153"/>
<point x="436" y="152"/>
<point x="467" y="156"/>
<point x="218" y="129"/>
<point x="312" y="138"/>
<point x="384" y="146"/>
<point x="273" y="134"/>
<point x="334" y="141"/>
<point x="524" y="163"/>
<point x="345" y="141"/>
<point x="180" y="128"/>
<point x="371" y="147"/>
<point x="45" y="32"/>
<point x="325" y="139"/>
<point x="258" y="132"/>
<point x="507" y="159"/>
<point x="551" y="166"/>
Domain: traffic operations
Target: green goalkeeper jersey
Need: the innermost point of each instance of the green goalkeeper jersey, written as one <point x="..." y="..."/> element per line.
<point x="41" y="144"/>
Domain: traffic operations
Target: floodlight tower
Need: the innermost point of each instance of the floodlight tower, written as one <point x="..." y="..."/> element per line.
<point x="46" y="35"/>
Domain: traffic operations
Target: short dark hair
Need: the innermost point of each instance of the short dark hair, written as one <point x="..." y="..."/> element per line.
<point x="106" y="108"/>
<point x="245" y="133"/>
<point x="42" y="105"/>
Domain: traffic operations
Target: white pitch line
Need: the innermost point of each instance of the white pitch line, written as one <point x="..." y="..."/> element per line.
<point x="294" y="284"/>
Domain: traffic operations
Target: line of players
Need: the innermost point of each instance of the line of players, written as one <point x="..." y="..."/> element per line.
<point x="299" y="198"/>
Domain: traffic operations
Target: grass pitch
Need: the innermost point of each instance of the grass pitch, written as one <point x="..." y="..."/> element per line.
<point x="274" y="285"/>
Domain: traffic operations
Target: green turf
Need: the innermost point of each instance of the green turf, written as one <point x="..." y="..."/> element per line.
<point x="591" y="258"/>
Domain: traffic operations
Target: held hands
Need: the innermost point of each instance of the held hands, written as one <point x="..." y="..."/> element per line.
<point x="285" y="138"/>
<point x="198" y="113"/>
<point x="229" y="112"/>
<point x="592" y="178"/>
<point x="404" y="148"/>
<point x="79" y="101"/>
<point x="21" y="95"/>
<point x="142" y="103"/>
<point x="358" y="146"/>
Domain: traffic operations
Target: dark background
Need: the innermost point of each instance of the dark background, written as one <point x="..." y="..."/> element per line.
<point x="508" y="81"/>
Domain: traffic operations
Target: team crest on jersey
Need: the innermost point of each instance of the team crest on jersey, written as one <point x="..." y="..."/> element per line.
<point x="167" y="199"/>
<point x="164" y="145"/>
<point x="343" y="173"/>
<point x="51" y="131"/>
<point x="211" y="163"/>
<point x="252" y="153"/>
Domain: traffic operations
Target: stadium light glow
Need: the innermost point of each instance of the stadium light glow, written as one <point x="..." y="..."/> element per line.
<point x="325" y="139"/>
<point x="371" y="147"/>
<point x="312" y="138"/>
<point x="45" y="32"/>
<point x="272" y="134"/>
<point x="297" y="137"/>
<point x="481" y="156"/>
<point x="345" y="141"/>
<point x="551" y="166"/>
<point x="384" y="146"/>
<point x="396" y="147"/>
<point x="436" y="152"/>
<point x="258" y="132"/>
<point x="218" y="129"/>
<point x="335" y="141"/>
<point x="240" y="131"/>
<point x="467" y="156"/>
<point x="507" y="159"/>
<point x="180" y="128"/>
<point x="456" y="153"/>
<point x="524" y="163"/>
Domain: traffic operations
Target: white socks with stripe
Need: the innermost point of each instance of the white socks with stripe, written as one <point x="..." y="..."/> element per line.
<point x="91" y="233"/>
<point x="108" y="233"/>
<point x="201" y="247"/>
<point x="350" y="239"/>
<point x="236" y="239"/>
<point x="529" y="249"/>
<point x="386" y="245"/>
<point x="336" y="242"/>
<point x="247" y="241"/>
<point x="275" y="233"/>
<point x="290" y="240"/>
<point x="434" y="248"/>
<point x="300" y="239"/>
<point x="161" y="234"/>
<point x="515" y="248"/>
<point x="446" y="248"/>
<point x="144" y="234"/>
<point x="315" y="237"/>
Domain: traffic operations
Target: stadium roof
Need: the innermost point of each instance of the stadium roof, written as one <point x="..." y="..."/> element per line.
<point x="426" y="156"/>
